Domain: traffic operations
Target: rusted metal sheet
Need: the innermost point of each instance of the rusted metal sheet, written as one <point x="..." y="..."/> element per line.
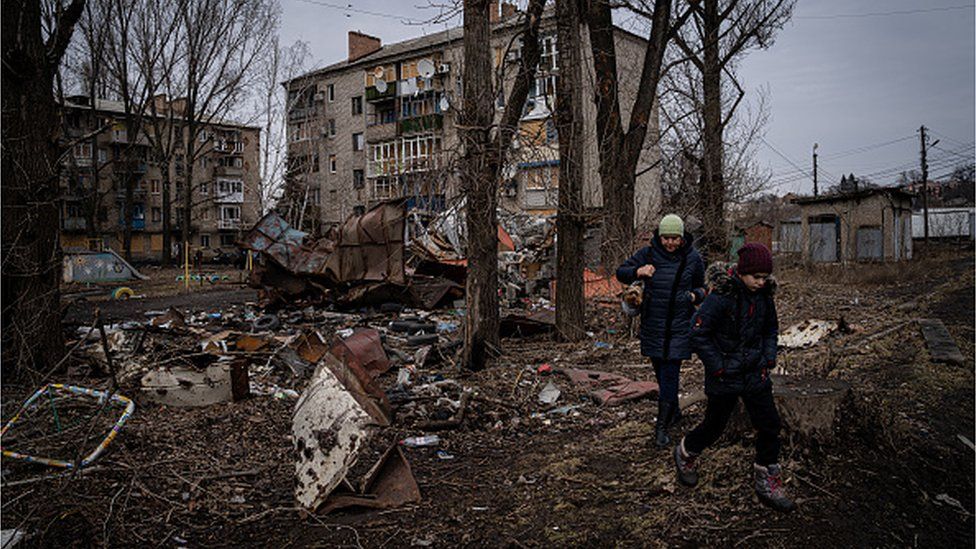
<point x="609" y="388"/>
<point x="390" y="483"/>
<point x="522" y="325"/>
<point x="104" y="266"/>
<point x="363" y="350"/>
<point x="370" y="246"/>
<point x="330" y="429"/>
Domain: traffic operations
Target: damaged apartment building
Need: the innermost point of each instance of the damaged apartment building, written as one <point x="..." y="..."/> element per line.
<point x="225" y="193"/>
<point x="382" y="124"/>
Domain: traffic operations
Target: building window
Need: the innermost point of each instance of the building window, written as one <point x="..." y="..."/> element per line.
<point x="227" y="240"/>
<point x="229" y="186"/>
<point x="102" y="155"/>
<point x="331" y="92"/>
<point x="332" y="163"/>
<point x="358" y="179"/>
<point x="547" y="59"/>
<point x="542" y="178"/>
<point x="332" y="127"/>
<point x="83" y="150"/>
<point x="154" y="186"/>
<point x="357" y="142"/>
<point x="202" y="136"/>
<point x="157" y="215"/>
<point x="315" y="197"/>
<point x="205" y="214"/>
<point x="204" y="188"/>
<point x="383" y="189"/>
<point x="357" y="105"/>
<point x="204" y="161"/>
<point x="205" y="240"/>
<point x="359" y="210"/>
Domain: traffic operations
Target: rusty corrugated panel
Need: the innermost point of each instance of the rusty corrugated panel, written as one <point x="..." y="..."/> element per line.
<point x="370" y="246"/>
<point x="363" y="349"/>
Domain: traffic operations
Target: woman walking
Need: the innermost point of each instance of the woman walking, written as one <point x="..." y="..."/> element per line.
<point x="674" y="277"/>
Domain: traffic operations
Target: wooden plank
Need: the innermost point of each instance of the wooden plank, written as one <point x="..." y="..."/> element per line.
<point x="941" y="345"/>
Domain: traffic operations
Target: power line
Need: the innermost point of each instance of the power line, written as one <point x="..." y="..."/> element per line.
<point x="968" y="157"/>
<point x="349" y="8"/>
<point x="866" y="148"/>
<point x="885" y="13"/>
<point x="947" y="138"/>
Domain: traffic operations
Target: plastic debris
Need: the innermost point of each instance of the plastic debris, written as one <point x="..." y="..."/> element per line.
<point x="421" y="442"/>
<point x="549" y="394"/>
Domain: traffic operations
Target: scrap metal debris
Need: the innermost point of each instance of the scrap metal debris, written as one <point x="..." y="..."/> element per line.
<point x="807" y="333"/>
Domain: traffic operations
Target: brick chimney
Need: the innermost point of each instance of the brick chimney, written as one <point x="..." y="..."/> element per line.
<point x="361" y="45"/>
<point x="502" y="12"/>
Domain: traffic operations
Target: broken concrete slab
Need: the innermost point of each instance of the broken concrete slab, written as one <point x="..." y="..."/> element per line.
<point x="940" y="343"/>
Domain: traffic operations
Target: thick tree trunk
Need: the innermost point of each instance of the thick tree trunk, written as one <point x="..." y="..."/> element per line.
<point x="31" y="264"/>
<point x="569" y="222"/>
<point x="617" y="226"/>
<point x="167" y="256"/>
<point x="713" y="185"/>
<point x="481" y="319"/>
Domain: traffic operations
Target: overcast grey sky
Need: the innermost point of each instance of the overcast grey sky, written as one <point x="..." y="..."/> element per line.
<point x="859" y="78"/>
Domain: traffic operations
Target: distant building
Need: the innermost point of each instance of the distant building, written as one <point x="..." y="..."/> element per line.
<point x="225" y="188"/>
<point x="869" y="225"/>
<point x="381" y="124"/>
<point x="760" y="231"/>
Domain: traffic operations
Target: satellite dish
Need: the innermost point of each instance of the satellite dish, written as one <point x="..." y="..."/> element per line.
<point x="381" y="86"/>
<point x="445" y="104"/>
<point x="426" y="68"/>
<point x="378" y="72"/>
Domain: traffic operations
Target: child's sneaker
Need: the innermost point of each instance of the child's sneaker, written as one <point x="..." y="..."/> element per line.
<point x="769" y="488"/>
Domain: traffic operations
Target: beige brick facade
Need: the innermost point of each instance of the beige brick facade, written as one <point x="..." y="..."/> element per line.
<point x="225" y="190"/>
<point x="409" y="92"/>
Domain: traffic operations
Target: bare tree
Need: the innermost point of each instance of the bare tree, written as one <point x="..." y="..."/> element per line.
<point x="619" y="150"/>
<point x="221" y="42"/>
<point x="483" y="156"/>
<point x="30" y="157"/>
<point x="723" y="31"/>
<point x="570" y="223"/>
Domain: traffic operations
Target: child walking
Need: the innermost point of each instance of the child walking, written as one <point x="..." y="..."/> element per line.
<point x="735" y="334"/>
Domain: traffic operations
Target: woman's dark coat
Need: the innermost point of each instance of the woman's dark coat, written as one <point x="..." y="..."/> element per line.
<point x="734" y="333"/>
<point x="667" y="307"/>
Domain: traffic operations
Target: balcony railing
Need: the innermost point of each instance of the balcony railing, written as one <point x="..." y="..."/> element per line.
<point x="372" y="94"/>
<point x="423" y="123"/>
<point x="236" y="197"/>
<point x="228" y="224"/>
<point x="228" y="170"/>
<point x="301" y="113"/>
<point x="74" y="224"/>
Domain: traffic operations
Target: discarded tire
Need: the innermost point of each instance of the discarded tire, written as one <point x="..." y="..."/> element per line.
<point x="424" y="339"/>
<point x="391" y="307"/>
<point x="265" y="323"/>
<point x="412" y="327"/>
<point x="122" y="293"/>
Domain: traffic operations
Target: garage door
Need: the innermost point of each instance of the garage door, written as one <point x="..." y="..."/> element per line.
<point x="823" y="241"/>
<point x="869" y="243"/>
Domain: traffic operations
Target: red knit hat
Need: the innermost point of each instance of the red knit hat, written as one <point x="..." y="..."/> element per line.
<point x="754" y="258"/>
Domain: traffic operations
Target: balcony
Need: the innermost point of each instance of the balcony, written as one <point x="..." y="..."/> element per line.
<point x="74" y="224"/>
<point x="302" y="113"/>
<point x="228" y="224"/>
<point x="425" y="123"/>
<point x="381" y="132"/>
<point x="373" y="95"/>
<point x="228" y="197"/>
<point x="228" y="170"/>
<point x="138" y="223"/>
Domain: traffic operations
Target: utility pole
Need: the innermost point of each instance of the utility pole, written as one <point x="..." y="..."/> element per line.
<point x="925" y="186"/>
<point x="814" y="169"/>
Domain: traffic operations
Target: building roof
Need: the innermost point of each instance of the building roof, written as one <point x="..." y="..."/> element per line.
<point x="414" y="46"/>
<point x="859" y="195"/>
<point x="117" y="107"/>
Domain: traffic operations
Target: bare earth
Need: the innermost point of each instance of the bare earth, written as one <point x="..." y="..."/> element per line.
<point x="224" y="475"/>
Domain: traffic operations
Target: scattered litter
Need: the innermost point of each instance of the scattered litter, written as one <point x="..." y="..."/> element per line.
<point x="549" y="394"/>
<point x="611" y="389"/>
<point x="544" y="369"/>
<point x="421" y="442"/>
<point x="967" y="442"/>
<point x="602" y="345"/>
<point x="946" y="499"/>
<point x="443" y="456"/>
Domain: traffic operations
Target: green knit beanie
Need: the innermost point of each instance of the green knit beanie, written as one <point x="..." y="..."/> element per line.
<point x="671" y="225"/>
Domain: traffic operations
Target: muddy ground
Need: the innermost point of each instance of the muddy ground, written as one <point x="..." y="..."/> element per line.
<point x="224" y="475"/>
